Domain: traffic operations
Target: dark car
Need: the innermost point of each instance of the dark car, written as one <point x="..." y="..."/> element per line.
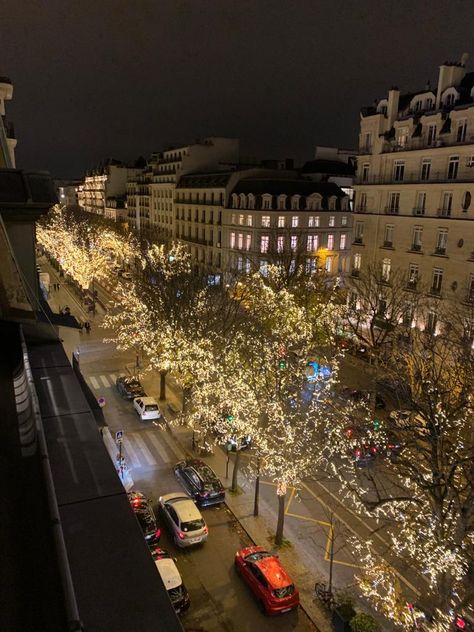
<point x="363" y="396"/>
<point x="393" y="447"/>
<point x="129" y="387"/>
<point x="171" y="578"/>
<point x="146" y="516"/>
<point x="200" y="482"/>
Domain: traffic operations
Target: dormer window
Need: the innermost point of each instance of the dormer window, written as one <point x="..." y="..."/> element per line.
<point x="267" y="201"/>
<point x="449" y="100"/>
<point x="235" y="201"/>
<point x="295" y="202"/>
<point x="429" y="103"/>
<point x="251" y="201"/>
<point x="282" y="202"/>
<point x="243" y="200"/>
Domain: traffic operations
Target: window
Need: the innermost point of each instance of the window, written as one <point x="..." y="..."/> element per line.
<point x="394" y="203"/>
<point x="264" y="243"/>
<point x="332" y="220"/>
<point x="362" y="207"/>
<point x="449" y="100"/>
<point x="357" y="261"/>
<point x="312" y="243"/>
<point x="282" y="202"/>
<point x="344" y="220"/>
<point x="249" y="220"/>
<point x="359" y="233"/>
<point x="366" y="142"/>
<point x="281" y="221"/>
<point x="280" y="243"/>
<point x="365" y="172"/>
<point x="402" y="136"/>
<point x="247" y="266"/>
<point x="446" y="204"/>
<point x="388" y="236"/>
<point x="420" y="203"/>
<point x="294" y="242"/>
<point x="343" y="241"/>
<point x="466" y="202"/>
<point x="413" y="272"/>
<point x="431" y="134"/>
<point x="266" y="202"/>
<point x="398" y="170"/>
<point x="241" y="241"/>
<point x="295" y="202"/>
<point x="425" y="168"/>
<point x="431" y="322"/>
<point x="328" y="264"/>
<point x="437" y="281"/>
<point x="240" y="262"/>
<point x="232" y="240"/>
<point x="313" y="221"/>
<point x="441" y="241"/>
<point x="417" y="238"/>
<point x="461" y="131"/>
<point x="453" y="167"/>
<point x="470" y="289"/>
<point x="386" y="269"/>
<point x="265" y="221"/>
<point x="310" y="265"/>
<point x="330" y="242"/>
<point x="264" y="267"/>
<point x="241" y="220"/>
<point x="294" y="221"/>
<point x="248" y="242"/>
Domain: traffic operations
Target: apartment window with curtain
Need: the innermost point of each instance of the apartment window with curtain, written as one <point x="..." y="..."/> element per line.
<point x="359" y="233"/>
<point x="248" y="242"/>
<point x="388" y="236"/>
<point x="420" y="203"/>
<point x="312" y="243"/>
<point x="332" y="220"/>
<point x="293" y="242"/>
<point x="265" y="221"/>
<point x="398" y="170"/>
<point x="232" y="240"/>
<point x="436" y="281"/>
<point x="446" y="203"/>
<point x="461" y="131"/>
<point x="425" y="168"/>
<point x="453" y="167"/>
<point x="431" y="139"/>
<point x="313" y="221"/>
<point x="343" y="241"/>
<point x="362" y="206"/>
<point x="357" y="261"/>
<point x="365" y="172"/>
<point x="328" y="264"/>
<point x="417" y="238"/>
<point x="249" y="220"/>
<point x="241" y="220"/>
<point x="280" y="243"/>
<point x="241" y="241"/>
<point x="264" y="243"/>
<point x="330" y="241"/>
<point x="295" y="221"/>
<point x="240" y="262"/>
<point x="344" y="220"/>
<point x="281" y="221"/>
<point x="441" y="241"/>
<point x="394" y="202"/>
<point x="413" y="271"/>
<point x="386" y="269"/>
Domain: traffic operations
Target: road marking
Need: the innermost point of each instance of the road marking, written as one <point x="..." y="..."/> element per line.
<point x="179" y="454"/>
<point x="95" y="383"/>
<point x="161" y="451"/>
<point x="131" y="454"/>
<point x="113" y="377"/>
<point x="321" y="522"/>
<point x="145" y="451"/>
<point x="357" y="535"/>
<point x="104" y="380"/>
<point x="292" y="493"/>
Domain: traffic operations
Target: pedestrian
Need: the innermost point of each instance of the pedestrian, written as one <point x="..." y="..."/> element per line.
<point x="87" y="327"/>
<point x="58" y="286"/>
<point x="81" y="325"/>
<point x="67" y="311"/>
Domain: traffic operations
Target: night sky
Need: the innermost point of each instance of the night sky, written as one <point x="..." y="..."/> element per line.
<point x="120" y="78"/>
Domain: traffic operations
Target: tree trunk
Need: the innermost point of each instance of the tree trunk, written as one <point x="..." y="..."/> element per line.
<point x="257" y="489"/>
<point x="235" y="471"/>
<point x="281" y="519"/>
<point x="163" y="373"/>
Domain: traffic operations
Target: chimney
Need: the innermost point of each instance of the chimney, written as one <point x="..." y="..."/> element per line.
<point x="450" y="74"/>
<point x="392" y="108"/>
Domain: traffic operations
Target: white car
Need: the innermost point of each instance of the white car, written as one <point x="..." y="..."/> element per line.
<point x="184" y="519"/>
<point x="171" y="579"/>
<point x="401" y="418"/>
<point x="147" y="408"/>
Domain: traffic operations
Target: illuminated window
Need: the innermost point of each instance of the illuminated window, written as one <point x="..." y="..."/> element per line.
<point x="295" y="221"/>
<point x="332" y="220"/>
<point x="232" y="240"/>
<point x="281" y="221"/>
<point x="330" y="242"/>
<point x="248" y="242"/>
<point x="241" y="241"/>
<point x="343" y="241"/>
<point x="264" y="243"/>
<point x="265" y="221"/>
<point x="294" y="242"/>
<point x="249" y="220"/>
<point x="280" y="243"/>
<point x="312" y="243"/>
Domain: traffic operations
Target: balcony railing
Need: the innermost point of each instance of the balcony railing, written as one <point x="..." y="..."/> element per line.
<point x="440" y="251"/>
<point x="415" y="247"/>
<point x="418" y="210"/>
<point x="435" y="291"/>
<point x="392" y="210"/>
<point x="358" y="240"/>
<point x="423" y="143"/>
<point x="412" y="285"/>
<point x="465" y="174"/>
<point x="388" y="244"/>
<point x="444" y="212"/>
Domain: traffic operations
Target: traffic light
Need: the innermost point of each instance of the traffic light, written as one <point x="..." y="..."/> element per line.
<point x="282" y="364"/>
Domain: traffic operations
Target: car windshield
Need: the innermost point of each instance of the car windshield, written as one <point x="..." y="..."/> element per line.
<point x="149" y="407"/>
<point x="258" y="555"/>
<point x="192" y="525"/>
<point x="286" y="591"/>
<point x="207" y="475"/>
<point x="176" y="594"/>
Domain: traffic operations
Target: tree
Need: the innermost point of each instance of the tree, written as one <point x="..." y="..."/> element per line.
<point x="425" y="497"/>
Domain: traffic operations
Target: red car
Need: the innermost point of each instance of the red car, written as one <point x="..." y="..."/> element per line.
<point x="270" y="583"/>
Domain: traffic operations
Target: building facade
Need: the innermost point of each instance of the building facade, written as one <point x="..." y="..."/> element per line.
<point x="7" y="134"/>
<point x="414" y="186"/>
<point x="105" y="182"/>
<point x="272" y="218"/>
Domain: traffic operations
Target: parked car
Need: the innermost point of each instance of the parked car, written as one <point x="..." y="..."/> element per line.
<point x="401" y="418"/>
<point x="129" y="387"/>
<point x="171" y="579"/>
<point x="270" y="583"/>
<point x="146" y="408"/>
<point x="364" y="455"/>
<point x="200" y="482"/>
<point x="145" y="515"/>
<point x="363" y="396"/>
<point x="394" y="447"/>
<point x="184" y="519"/>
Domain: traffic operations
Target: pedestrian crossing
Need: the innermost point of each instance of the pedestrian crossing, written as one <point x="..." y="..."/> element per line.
<point x="151" y="449"/>
<point x="101" y="381"/>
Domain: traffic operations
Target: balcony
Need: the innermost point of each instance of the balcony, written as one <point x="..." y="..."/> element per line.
<point x="435" y="291"/>
<point x="392" y="210"/>
<point x="440" y="251"/>
<point x="412" y="285"/>
<point x="415" y="248"/>
<point x="355" y="272"/>
<point x="418" y="210"/>
<point x="444" y="212"/>
<point x="358" y="241"/>
<point x="387" y="244"/>
<point x="464" y="174"/>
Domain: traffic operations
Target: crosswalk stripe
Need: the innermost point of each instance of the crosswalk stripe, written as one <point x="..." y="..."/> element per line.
<point x="113" y="377"/>
<point x="144" y="450"/>
<point x="104" y="380"/>
<point x="94" y="383"/>
<point x="159" y="448"/>
<point x="179" y="454"/>
<point x="131" y="454"/>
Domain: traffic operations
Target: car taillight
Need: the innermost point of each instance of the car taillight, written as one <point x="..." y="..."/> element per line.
<point x="157" y="533"/>
<point x="206" y="530"/>
<point x="204" y="494"/>
<point x="136" y="503"/>
<point x="373" y="450"/>
<point x="181" y="535"/>
<point x="358" y="452"/>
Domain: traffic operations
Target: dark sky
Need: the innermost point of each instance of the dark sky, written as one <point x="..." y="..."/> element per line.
<point x="98" y="78"/>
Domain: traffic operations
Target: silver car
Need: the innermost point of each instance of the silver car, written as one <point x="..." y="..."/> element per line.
<point x="184" y="519"/>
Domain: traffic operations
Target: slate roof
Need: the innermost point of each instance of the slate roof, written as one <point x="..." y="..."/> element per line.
<point x="286" y="187"/>
<point x="202" y="180"/>
<point x="330" y="167"/>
